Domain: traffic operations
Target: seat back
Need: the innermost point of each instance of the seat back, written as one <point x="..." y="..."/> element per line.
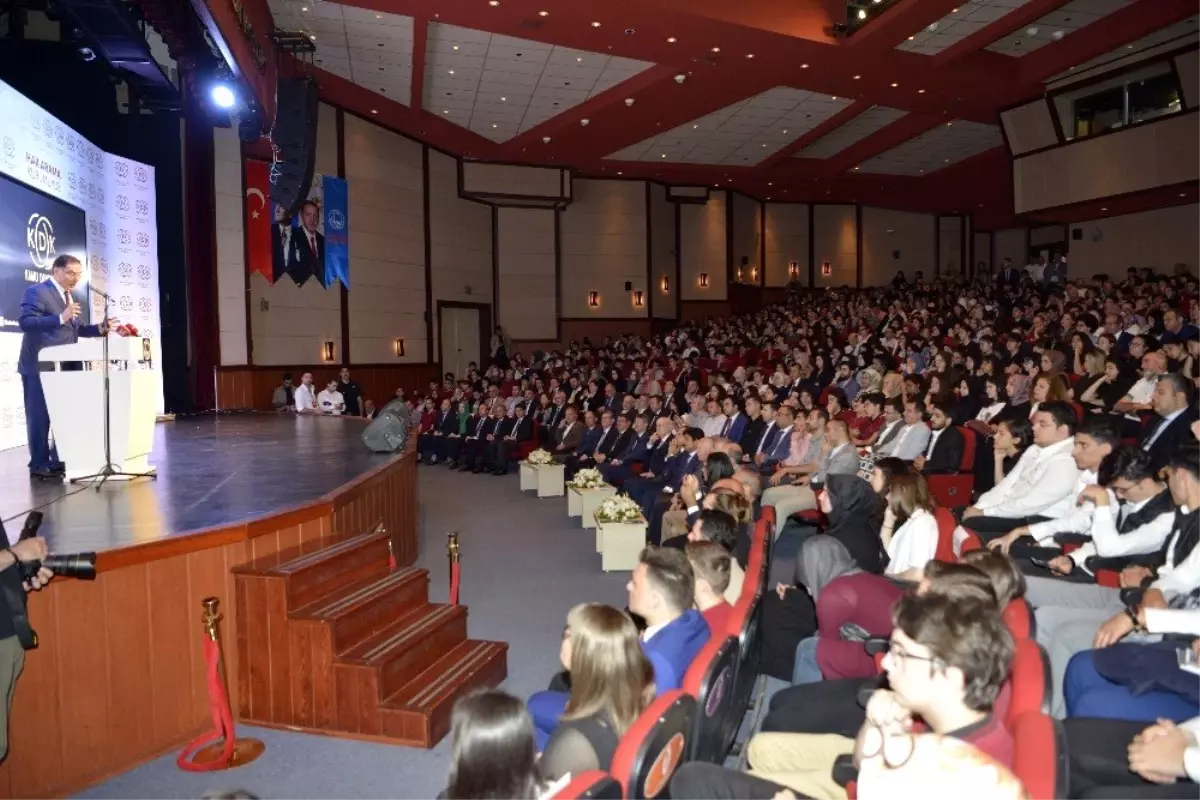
<point x="954" y="491"/>
<point x="595" y="784"/>
<point x="1030" y="678"/>
<point x="946" y="525"/>
<point x="1040" y="756"/>
<point x="745" y="626"/>
<point x="967" y="464"/>
<point x="654" y="745"/>
<point x="710" y="679"/>
<point x="1018" y="618"/>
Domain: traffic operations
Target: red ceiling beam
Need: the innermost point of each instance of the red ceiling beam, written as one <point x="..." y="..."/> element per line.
<point x="899" y="22"/>
<point x="1121" y="27"/>
<point x="803" y="19"/>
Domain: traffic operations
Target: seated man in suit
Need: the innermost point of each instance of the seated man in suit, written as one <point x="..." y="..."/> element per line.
<point x="452" y="447"/>
<point x="546" y="432"/>
<point x="781" y="449"/>
<point x="567" y="434"/>
<point x="944" y="452"/>
<point x="624" y="435"/>
<point x="477" y="440"/>
<point x="661" y="591"/>
<point x="756" y="451"/>
<point x="913" y="438"/>
<point x="735" y="421"/>
<point x="587" y="440"/>
<point x="1040" y="487"/>
<point x="658" y="451"/>
<point x="49" y="317"/>
<point x="753" y="429"/>
<point x="519" y="429"/>
<point x="636" y="451"/>
<point x="1169" y="425"/>
<point x="601" y="444"/>
<point x="685" y="462"/>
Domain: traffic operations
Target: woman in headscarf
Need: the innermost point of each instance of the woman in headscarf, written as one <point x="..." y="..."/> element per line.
<point x="1017" y="388"/>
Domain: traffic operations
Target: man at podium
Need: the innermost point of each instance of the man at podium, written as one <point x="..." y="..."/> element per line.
<point x="48" y="317"/>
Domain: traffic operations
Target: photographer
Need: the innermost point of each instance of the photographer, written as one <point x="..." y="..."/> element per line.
<point x="12" y="653"/>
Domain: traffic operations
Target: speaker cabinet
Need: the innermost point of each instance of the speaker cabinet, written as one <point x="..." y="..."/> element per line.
<point x="295" y="135"/>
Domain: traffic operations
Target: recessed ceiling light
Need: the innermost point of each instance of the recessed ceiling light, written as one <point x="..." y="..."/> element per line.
<point x="931" y="27"/>
<point x="1057" y="35"/>
<point x="304" y="8"/>
<point x="493" y="3"/>
<point x="858" y="77"/>
<point x="949" y="124"/>
<point x="579" y="58"/>
<point x="312" y="36"/>
<point x="770" y="184"/>
<point x="620" y="173"/>
<point x="920" y="91"/>
<point x="1183" y="194"/>
<point x="804" y="66"/>
<point x="894" y="85"/>
<point x="543" y="13"/>
<point x="503" y="99"/>
<point x="451" y="72"/>
<point x="493" y="125"/>
<point x="1102" y="208"/>
<point x="911" y="38"/>
<point x="664" y="155"/>
<point x="595" y="24"/>
<point x="716" y="49"/>
<point x="671" y="40"/>
<point x="856" y="169"/>
<point x="373" y="111"/>
<point x="455" y="47"/>
<point x="764" y="145"/>
<point x="835" y="97"/>
<point x="954" y="11"/>
<point x="445" y="111"/>
<point x="1031" y="31"/>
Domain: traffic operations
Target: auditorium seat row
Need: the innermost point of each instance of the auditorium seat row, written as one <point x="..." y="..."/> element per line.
<point x="699" y="721"/>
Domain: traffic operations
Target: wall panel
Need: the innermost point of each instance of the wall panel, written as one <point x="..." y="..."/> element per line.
<point x="1160" y="239"/>
<point x="289" y="323"/>
<point x="460" y="234"/>
<point x="886" y="232"/>
<point x="983" y="252"/>
<point x="835" y="240"/>
<point x="662" y="253"/>
<point x="602" y="246"/>
<point x="387" y="243"/>
<point x="746" y="237"/>
<point x="1010" y="243"/>
<point x="950" y="247"/>
<point x="231" y="248"/>
<point x="787" y="241"/>
<point x="526" y="259"/>
<point x="703" y="248"/>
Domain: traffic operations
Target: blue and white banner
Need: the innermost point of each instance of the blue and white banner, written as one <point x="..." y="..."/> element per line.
<point x="337" y="233"/>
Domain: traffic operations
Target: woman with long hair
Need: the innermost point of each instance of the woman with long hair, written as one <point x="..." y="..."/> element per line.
<point x="612" y="682"/>
<point x="492" y="754"/>
<point x="1104" y="392"/>
<point x="1048" y="388"/>
<point x="1009" y="442"/>
<point x="910" y="531"/>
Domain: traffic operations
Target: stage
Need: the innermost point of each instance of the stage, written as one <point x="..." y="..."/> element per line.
<point x="119" y="674"/>
<point x="213" y="472"/>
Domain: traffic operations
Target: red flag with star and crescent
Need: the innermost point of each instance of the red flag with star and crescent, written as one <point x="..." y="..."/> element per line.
<point x="259" y="253"/>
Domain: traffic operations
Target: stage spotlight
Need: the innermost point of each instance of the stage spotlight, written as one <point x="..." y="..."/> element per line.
<point x="222" y="96"/>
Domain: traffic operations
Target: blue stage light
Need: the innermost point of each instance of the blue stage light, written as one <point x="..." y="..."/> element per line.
<point x="223" y="96"/>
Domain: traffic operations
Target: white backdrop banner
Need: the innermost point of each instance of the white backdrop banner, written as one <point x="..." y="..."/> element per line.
<point x="117" y="195"/>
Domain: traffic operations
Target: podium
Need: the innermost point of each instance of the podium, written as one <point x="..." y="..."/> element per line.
<point x="75" y="400"/>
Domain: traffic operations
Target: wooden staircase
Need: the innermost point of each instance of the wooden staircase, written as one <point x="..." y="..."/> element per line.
<point x="334" y="641"/>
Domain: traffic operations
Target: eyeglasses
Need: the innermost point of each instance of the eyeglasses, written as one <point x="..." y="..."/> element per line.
<point x="898" y="653"/>
<point x="895" y="748"/>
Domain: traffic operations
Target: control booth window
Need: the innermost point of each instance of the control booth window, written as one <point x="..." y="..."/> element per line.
<point x="1141" y="95"/>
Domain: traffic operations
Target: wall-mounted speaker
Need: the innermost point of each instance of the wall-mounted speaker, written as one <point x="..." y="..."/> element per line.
<point x="629" y="286"/>
<point x="1077" y="234"/>
<point x="895" y="255"/>
<point x="295" y="135"/>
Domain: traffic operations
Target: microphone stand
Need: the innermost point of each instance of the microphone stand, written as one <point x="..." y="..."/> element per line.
<point x="109" y="470"/>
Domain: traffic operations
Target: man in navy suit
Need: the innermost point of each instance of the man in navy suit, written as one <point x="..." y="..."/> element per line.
<point x="735" y="420"/>
<point x="660" y="592"/>
<point x="429" y="445"/>
<point x="781" y="447"/>
<point x="49" y="317"/>
<point x="637" y="451"/>
<point x="500" y="450"/>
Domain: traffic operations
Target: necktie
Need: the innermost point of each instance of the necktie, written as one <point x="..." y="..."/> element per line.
<point x="725" y="427"/>
<point x="312" y="243"/>
<point x="1159" y="424"/>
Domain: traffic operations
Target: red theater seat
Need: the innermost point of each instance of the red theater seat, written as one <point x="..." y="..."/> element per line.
<point x="946" y="525"/>
<point x="954" y="491"/>
<point x="654" y="745"/>
<point x="1018" y="618"/>
<point x="710" y="680"/>
<point x="1030" y="679"/>
<point x="594" y="784"/>
<point x="1040" y="756"/>
<point x="744" y="624"/>
<point x="525" y="448"/>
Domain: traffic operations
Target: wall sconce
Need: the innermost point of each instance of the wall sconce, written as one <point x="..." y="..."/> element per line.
<point x="793" y="270"/>
<point x="739" y="273"/>
<point x="327" y="351"/>
<point x="665" y="285"/>
<point x="593" y="299"/>
<point x="826" y="268"/>
<point x="398" y="346"/>
<point x="703" y="280"/>
<point x="639" y="298"/>
<point x="754" y="274"/>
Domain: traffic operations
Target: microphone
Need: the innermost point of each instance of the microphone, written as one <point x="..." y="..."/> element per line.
<point x="105" y="295"/>
<point x="32" y="523"/>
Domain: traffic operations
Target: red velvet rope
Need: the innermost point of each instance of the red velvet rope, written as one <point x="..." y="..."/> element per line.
<point x="454" y="572"/>
<point x="221" y="713"/>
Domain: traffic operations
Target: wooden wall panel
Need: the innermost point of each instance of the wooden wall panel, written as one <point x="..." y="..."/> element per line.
<point x="252" y="387"/>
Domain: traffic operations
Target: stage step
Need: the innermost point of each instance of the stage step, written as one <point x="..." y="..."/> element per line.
<point x="419" y="713"/>
<point x="332" y="641"/>
<point x="357" y="615"/>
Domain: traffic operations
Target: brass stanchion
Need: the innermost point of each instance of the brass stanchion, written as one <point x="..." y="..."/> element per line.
<point x="453" y="554"/>
<point x="226" y="751"/>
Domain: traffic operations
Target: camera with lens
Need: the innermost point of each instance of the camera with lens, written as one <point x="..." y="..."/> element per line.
<point x="71" y="565"/>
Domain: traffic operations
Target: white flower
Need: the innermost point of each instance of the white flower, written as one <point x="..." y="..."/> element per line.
<point x="619" y="508"/>
<point x="539" y="456"/>
<point x="588" y="479"/>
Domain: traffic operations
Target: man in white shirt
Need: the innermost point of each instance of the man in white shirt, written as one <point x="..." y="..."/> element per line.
<point x="306" y="401"/>
<point x="1139" y="395"/>
<point x="714" y="421"/>
<point x="912" y="439"/>
<point x="1094" y="440"/>
<point x="330" y="400"/>
<point x="1040" y="487"/>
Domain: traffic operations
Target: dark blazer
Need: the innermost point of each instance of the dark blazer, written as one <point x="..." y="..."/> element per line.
<point x="1010" y="277"/>
<point x="556" y="416"/>
<point x="571" y="439"/>
<point x="770" y="432"/>
<point x="737" y="426"/>
<point x="477" y="427"/>
<point x="303" y="263"/>
<point x="638" y="448"/>
<point x="589" y="440"/>
<point x="504" y="427"/>
<point x="447" y="423"/>
<point x="947" y="453"/>
<point x="658" y="456"/>
<point x="679" y="466"/>
<point x="621" y="444"/>
<point x="521" y="430"/>
<point x="41" y="320"/>
<point x="751" y="434"/>
<point x="1175" y="434"/>
<point x="606" y="442"/>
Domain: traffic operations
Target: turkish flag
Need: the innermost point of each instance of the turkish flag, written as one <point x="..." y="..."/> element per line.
<point x="259" y="253"/>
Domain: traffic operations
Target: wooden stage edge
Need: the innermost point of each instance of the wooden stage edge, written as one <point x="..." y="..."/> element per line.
<point x="118" y="676"/>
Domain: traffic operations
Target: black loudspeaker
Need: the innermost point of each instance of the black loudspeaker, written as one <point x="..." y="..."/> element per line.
<point x="1077" y="234"/>
<point x="295" y="134"/>
<point x="388" y="432"/>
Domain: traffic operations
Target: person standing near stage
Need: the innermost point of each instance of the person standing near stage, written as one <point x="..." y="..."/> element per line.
<point x="330" y="400"/>
<point x="49" y="317"/>
<point x="350" y="393"/>
<point x="306" y="400"/>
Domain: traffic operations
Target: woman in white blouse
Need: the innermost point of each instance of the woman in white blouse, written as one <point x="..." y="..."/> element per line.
<point x="910" y="530"/>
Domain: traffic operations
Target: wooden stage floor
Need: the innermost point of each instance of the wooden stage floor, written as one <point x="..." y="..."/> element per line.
<point x="213" y="472"/>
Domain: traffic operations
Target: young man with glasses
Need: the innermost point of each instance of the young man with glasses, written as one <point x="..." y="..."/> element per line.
<point x="948" y="659"/>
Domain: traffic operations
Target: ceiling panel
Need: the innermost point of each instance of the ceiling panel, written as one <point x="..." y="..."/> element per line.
<point x="870" y="121"/>
<point x="1056" y="25"/>
<point x="969" y="17"/>
<point x="741" y="134"/>
<point x="936" y="148"/>
<point x="1179" y="34"/>
<point x="500" y="86"/>
<point x="371" y="49"/>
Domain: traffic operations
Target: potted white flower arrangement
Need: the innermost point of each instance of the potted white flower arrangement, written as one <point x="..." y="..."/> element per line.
<point x="539" y="457"/>
<point x="587" y="479"/>
<point x="619" y="508"/>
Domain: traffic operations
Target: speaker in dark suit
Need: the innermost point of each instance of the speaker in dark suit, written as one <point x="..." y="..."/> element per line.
<point x="49" y="317"/>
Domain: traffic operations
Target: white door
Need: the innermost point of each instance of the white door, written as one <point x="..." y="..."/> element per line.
<point x="460" y="339"/>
